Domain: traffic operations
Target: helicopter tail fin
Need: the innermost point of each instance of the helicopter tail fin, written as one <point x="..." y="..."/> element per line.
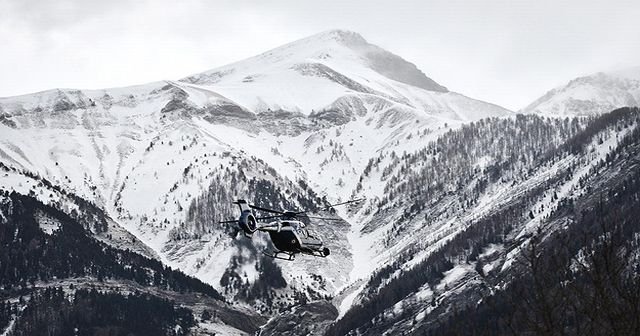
<point x="244" y="206"/>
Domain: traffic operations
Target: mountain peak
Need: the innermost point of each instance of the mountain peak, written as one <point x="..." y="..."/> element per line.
<point x="345" y="37"/>
<point x="378" y="59"/>
<point x="593" y="94"/>
<point x="343" y="51"/>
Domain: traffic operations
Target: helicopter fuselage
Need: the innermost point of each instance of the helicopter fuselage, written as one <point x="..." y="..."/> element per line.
<point x="291" y="236"/>
<point x="288" y="234"/>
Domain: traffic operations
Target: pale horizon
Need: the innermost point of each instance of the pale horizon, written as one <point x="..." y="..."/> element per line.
<point x="504" y="52"/>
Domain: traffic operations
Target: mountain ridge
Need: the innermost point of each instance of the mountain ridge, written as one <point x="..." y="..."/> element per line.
<point x="590" y="95"/>
<point x="352" y="40"/>
<point x="454" y="187"/>
<point x="146" y="154"/>
<point x="335" y="66"/>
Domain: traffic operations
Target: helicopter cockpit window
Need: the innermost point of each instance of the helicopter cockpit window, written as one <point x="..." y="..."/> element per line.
<point x="298" y="228"/>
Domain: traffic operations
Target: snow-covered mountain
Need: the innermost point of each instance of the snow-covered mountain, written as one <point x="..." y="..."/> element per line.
<point x="302" y="120"/>
<point x="455" y="187"/>
<point x="322" y="73"/>
<point x="457" y="218"/>
<point x="590" y="95"/>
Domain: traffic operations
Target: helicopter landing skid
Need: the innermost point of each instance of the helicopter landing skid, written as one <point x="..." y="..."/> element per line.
<point x="276" y="255"/>
<point x="316" y="253"/>
<point x="290" y="256"/>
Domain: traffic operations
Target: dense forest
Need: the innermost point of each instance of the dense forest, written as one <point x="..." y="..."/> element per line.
<point x="261" y="185"/>
<point x="53" y="311"/>
<point x="40" y="245"/>
<point x="252" y="179"/>
<point x="28" y="254"/>
<point x="495" y="227"/>
<point x="92" y="217"/>
<point x="580" y="281"/>
<point x="465" y="160"/>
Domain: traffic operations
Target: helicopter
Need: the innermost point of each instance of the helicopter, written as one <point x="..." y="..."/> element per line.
<point x="288" y="234"/>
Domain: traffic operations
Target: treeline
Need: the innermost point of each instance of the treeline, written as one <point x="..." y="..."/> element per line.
<point x="260" y="184"/>
<point x="52" y="312"/>
<point x="463" y="162"/>
<point x="584" y="280"/>
<point x="27" y="254"/>
<point x="619" y="118"/>
<point x="465" y="246"/>
<point x="90" y="215"/>
<point x="251" y="179"/>
<point x="261" y="292"/>
<point x="495" y="228"/>
<point x="263" y="288"/>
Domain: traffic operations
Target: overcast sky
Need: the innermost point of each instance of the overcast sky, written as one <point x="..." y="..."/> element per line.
<point x="504" y="52"/>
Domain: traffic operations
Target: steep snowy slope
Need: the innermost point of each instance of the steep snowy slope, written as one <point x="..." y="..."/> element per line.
<point x="314" y="74"/>
<point x="51" y="250"/>
<point x="450" y="196"/>
<point x="590" y="95"/>
<point x="163" y="160"/>
<point x="457" y="216"/>
<point x="294" y="128"/>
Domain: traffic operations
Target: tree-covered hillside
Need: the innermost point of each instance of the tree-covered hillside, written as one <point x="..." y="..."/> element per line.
<point x="56" y="278"/>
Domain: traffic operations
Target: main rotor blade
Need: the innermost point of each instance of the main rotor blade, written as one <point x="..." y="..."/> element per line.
<point x="268" y="217"/>
<point x="332" y="205"/>
<point x="266" y="210"/>
<point x="343" y="203"/>
<point x="325" y="218"/>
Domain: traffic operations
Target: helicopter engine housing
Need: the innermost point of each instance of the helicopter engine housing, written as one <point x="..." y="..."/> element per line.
<point x="247" y="222"/>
